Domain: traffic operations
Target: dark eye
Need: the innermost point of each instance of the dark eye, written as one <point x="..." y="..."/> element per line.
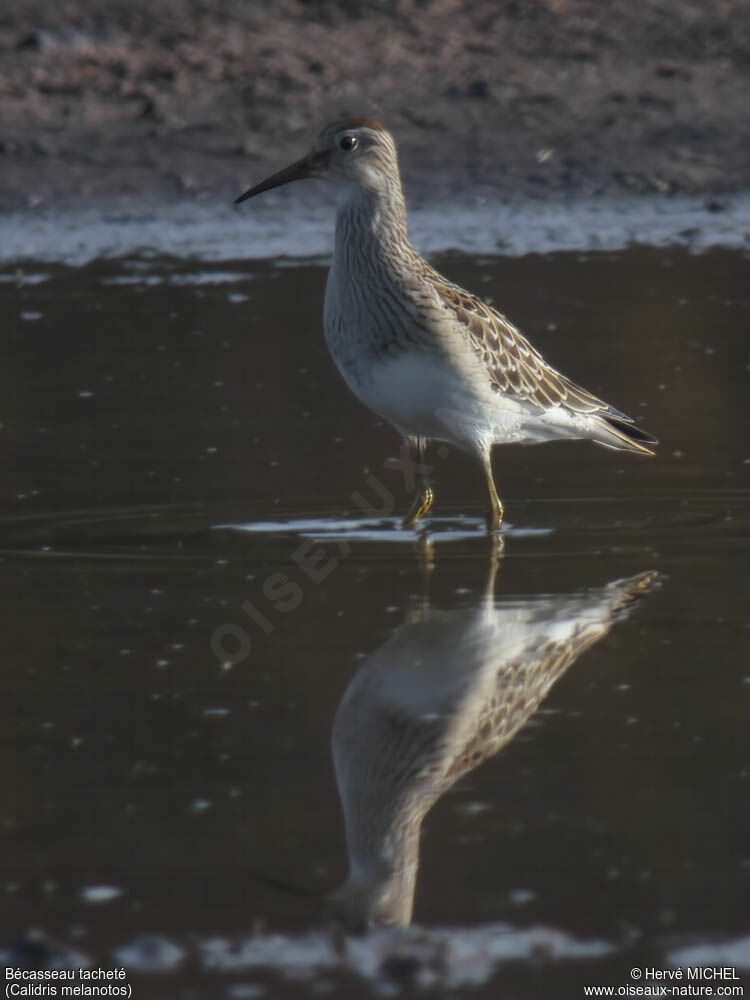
<point x="349" y="142"/>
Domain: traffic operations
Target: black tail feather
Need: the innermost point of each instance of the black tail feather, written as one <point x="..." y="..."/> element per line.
<point x="632" y="430"/>
<point x="622" y="434"/>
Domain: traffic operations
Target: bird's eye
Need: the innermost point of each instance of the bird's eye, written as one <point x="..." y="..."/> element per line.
<point x="348" y="143"/>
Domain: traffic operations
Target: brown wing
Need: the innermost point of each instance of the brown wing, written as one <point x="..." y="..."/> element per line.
<point x="523" y="686"/>
<point x="513" y="365"/>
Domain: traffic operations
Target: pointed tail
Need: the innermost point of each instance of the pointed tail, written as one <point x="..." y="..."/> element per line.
<point x="617" y="431"/>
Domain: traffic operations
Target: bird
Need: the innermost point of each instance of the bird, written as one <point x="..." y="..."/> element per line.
<point x="429" y="357"/>
<point x="444" y="693"/>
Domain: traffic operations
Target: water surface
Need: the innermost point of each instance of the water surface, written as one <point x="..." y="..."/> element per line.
<point x="191" y="588"/>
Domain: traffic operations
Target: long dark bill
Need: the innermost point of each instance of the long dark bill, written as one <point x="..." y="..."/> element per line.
<point x="308" y="166"/>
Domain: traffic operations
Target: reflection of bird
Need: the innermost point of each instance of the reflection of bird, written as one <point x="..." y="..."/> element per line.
<point x="429" y="357"/>
<point x="437" y="699"/>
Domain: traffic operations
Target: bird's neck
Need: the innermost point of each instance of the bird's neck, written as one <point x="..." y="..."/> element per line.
<point x="383" y="865"/>
<point x="371" y="222"/>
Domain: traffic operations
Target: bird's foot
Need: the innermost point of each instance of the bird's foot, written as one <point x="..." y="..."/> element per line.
<point x="421" y="505"/>
<point x="495" y="518"/>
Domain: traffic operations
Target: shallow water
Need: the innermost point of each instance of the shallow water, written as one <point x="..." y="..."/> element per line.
<point x="192" y="586"/>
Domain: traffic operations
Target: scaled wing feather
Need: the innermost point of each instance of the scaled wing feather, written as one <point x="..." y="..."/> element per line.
<point x="513" y="366"/>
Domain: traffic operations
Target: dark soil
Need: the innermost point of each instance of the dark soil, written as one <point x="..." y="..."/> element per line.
<point x="128" y="97"/>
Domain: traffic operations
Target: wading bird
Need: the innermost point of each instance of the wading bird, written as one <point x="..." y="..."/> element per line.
<point x="431" y="358"/>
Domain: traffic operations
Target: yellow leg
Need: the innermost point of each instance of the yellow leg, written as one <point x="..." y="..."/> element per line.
<point x="421" y="504"/>
<point x="495" y="516"/>
<point x="424" y="498"/>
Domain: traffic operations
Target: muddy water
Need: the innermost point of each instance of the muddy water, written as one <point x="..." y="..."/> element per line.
<point x="193" y="595"/>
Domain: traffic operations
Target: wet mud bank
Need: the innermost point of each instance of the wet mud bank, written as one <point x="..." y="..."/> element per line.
<point x="536" y="98"/>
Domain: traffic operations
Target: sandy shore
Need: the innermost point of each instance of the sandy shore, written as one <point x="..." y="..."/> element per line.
<point x="530" y="98"/>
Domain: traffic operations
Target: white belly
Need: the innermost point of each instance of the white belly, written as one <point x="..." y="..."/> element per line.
<point x="425" y="380"/>
<point x="423" y="396"/>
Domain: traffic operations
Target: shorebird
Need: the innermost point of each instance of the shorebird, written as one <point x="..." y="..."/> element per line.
<point x="434" y="360"/>
<point x="443" y="694"/>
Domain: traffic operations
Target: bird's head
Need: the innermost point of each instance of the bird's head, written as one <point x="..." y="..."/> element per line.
<point x="356" y="151"/>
